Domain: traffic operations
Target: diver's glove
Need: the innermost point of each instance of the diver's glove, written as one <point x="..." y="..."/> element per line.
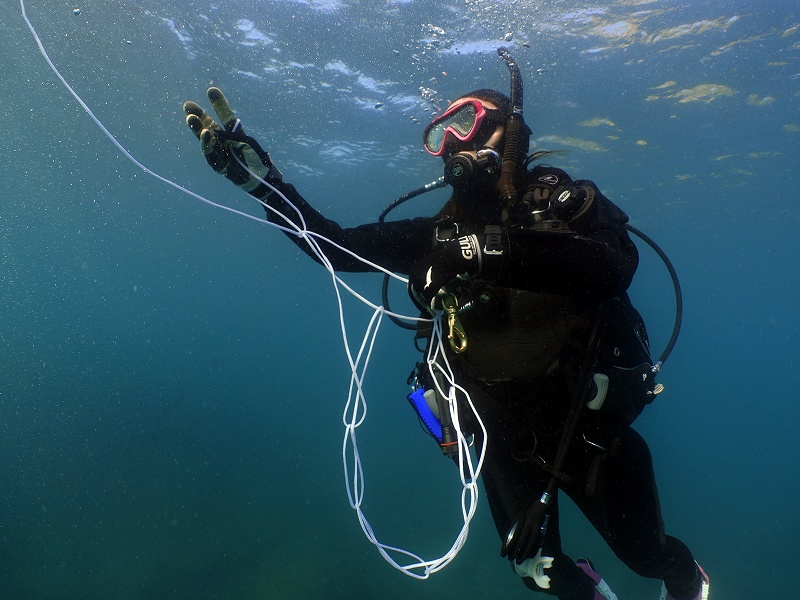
<point x="454" y="262"/>
<point x="527" y="533"/>
<point x="228" y="149"/>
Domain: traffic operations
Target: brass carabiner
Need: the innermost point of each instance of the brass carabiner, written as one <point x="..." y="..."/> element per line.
<point x="455" y="331"/>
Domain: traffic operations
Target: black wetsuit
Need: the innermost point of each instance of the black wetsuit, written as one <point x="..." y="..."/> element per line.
<point x="545" y="289"/>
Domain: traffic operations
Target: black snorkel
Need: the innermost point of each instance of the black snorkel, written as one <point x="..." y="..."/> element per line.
<point x="517" y="135"/>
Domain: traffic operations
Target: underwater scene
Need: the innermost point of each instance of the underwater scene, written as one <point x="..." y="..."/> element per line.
<point x="173" y="373"/>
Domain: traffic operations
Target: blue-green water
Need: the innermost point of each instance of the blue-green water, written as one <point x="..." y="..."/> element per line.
<point x="172" y="376"/>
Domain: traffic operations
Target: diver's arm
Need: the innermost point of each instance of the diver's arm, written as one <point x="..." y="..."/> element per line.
<point x="595" y="258"/>
<point x="599" y="263"/>
<point x="241" y="159"/>
<point x="394" y="245"/>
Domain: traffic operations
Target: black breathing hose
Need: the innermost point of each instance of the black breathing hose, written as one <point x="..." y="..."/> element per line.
<point x="433" y="185"/>
<point x="676" y="328"/>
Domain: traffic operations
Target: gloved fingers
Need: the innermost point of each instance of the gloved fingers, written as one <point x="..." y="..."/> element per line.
<point x="195" y="124"/>
<point x="522" y="545"/>
<point x="505" y="549"/>
<point x="527" y="534"/>
<point x="528" y="546"/>
<point x="197" y="118"/>
<point x="225" y="147"/>
<point x="223" y="110"/>
<point x="217" y="153"/>
<point x="516" y="541"/>
<point x="192" y="108"/>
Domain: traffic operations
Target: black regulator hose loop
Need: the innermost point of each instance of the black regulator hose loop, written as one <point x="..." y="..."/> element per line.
<point x="676" y="328"/>
<point x="433" y="185"/>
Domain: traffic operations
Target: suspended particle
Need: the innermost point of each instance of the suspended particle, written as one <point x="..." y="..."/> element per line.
<point x="76" y="11"/>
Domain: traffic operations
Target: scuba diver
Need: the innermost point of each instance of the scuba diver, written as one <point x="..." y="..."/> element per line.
<point x="529" y="268"/>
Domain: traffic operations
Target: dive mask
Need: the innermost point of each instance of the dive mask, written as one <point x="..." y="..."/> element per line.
<point x="462" y="121"/>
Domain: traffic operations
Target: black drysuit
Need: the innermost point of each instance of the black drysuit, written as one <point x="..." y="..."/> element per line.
<point x="521" y="388"/>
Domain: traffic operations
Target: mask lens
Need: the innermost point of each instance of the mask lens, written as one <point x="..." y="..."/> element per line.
<point x="461" y="122"/>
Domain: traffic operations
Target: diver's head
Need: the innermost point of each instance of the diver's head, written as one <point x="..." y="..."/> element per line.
<point x="469" y="137"/>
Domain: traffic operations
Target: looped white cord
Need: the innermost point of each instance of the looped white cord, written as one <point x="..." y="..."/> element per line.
<point x="356" y="407"/>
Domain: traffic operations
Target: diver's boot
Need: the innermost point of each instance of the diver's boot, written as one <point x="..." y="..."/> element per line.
<point x="601" y="589"/>
<point x="705" y="587"/>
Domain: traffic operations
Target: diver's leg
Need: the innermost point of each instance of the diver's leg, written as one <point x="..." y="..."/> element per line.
<point x="625" y="509"/>
<point x="509" y="492"/>
<point x="513" y="482"/>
